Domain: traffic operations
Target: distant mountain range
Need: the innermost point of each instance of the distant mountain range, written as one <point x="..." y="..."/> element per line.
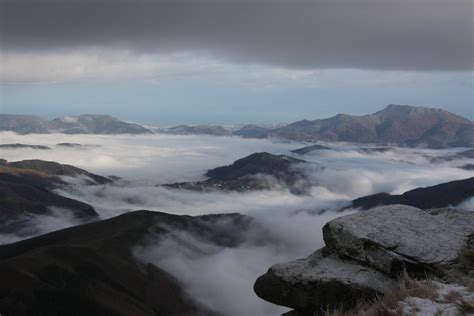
<point x="399" y="125"/>
<point x="197" y="130"/>
<point x="81" y="124"/>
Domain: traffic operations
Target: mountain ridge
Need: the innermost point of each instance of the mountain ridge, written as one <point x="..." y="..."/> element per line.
<point x="93" y="269"/>
<point x="402" y="125"/>
<point x="257" y="171"/>
<point x="78" y="124"/>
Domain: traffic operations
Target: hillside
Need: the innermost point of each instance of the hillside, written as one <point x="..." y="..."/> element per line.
<point x="258" y="171"/>
<point x="401" y="125"/>
<point x="91" y="269"/>
<point x="81" y="124"/>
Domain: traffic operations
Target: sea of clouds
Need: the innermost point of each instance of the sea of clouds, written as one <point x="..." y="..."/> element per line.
<point x="222" y="278"/>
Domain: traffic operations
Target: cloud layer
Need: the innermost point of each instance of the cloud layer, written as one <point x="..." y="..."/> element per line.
<point x="221" y="277"/>
<point x="368" y="34"/>
<point x="149" y="160"/>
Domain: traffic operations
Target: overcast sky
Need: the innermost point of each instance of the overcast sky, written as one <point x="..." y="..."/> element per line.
<point x="196" y="61"/>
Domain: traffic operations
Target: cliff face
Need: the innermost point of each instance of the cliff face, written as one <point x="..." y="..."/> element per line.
<point x="366" y="252"/>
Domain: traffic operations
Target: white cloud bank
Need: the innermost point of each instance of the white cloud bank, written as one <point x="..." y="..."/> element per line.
<point x="220" y="277"/>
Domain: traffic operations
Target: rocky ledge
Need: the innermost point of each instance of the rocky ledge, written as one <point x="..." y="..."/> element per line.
<point x="365" y="254"/>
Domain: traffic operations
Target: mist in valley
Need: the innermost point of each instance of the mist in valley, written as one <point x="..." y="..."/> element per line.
<point x="288" y="225"/>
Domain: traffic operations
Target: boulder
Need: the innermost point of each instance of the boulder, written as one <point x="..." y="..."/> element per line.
<point x="320" y="280"/>
<point x="391" y="238"/>
<point x="365" y="254"/>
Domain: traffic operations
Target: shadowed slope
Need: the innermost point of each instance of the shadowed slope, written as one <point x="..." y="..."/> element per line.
<point x="91" y="268"/>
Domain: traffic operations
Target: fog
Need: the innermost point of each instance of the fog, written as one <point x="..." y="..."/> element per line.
<point x="148" y="160"/>
<point x="222" y="277"/>
<point x="38" y="224"/>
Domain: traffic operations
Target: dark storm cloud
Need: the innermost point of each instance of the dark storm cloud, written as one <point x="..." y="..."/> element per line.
<point x="371" y="34"/>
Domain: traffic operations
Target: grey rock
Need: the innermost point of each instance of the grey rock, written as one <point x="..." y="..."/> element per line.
<point x="319" y="280"/>
<point x="364" y="255"/>
<point x="394" y="237"/>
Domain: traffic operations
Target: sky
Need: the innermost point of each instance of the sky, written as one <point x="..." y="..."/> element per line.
<point x="234" y="61"/>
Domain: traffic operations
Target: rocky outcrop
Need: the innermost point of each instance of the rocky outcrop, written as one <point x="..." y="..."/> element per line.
<point x="365" y="254"/>
<point x="309" y="285"/>
<point x="394" y="237"/>
<point x="441" y="195"/>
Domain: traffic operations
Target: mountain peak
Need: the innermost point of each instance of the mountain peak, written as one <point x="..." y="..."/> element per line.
<point x="401" y="125"/>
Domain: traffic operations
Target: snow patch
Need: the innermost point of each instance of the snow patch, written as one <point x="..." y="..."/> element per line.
<point x="444" y="304"/>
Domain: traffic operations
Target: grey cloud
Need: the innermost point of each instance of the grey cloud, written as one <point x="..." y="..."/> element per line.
<point x="369" y="34"/>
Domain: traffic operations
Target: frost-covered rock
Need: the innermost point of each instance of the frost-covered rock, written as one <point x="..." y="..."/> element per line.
<point x="390" y="238"/>
<point x="446" y="302"/>
<point x="319" y="280"/>
<point x="364" y="255"/>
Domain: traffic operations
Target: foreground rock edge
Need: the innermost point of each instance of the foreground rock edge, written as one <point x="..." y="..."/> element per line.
<point x="339" y="275"/>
